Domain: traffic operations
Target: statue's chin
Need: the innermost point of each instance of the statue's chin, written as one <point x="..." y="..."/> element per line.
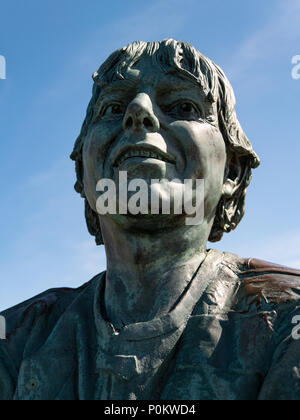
<point x="144" y="168"/>
<point x="148" y="206"/>
<point x="148" y="222"/>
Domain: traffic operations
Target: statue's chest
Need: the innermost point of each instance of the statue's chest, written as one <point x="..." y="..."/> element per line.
<point x="211" y="359"/>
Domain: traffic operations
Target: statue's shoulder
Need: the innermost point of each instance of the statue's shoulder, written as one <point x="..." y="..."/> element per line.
<point x="50" y="304"/>
<point x="261" y="280"/>
<point x="29" y="325"/>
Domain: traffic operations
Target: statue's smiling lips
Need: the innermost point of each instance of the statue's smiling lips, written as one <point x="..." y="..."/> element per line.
<point x="145" y="151"/>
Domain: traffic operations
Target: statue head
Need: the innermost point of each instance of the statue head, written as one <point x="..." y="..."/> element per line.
<point x="170" y="66"/>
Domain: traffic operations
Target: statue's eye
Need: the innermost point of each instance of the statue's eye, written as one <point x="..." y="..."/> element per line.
<point x="184" y="109"/>
<point x="113" y="110"/>
<point x="117" y="109"/>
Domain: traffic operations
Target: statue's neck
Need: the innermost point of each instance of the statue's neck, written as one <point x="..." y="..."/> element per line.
<point x="147" y="272"/>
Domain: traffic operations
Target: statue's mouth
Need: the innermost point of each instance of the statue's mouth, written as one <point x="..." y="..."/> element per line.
<point x="145" y="151"/>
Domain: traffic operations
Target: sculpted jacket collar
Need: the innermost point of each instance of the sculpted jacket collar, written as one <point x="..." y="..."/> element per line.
<point x="167" y="323"/>
<point x="60" y="347"/>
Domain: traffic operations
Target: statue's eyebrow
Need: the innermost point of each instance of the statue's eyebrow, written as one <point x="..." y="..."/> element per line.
<point x="168" y="85"/>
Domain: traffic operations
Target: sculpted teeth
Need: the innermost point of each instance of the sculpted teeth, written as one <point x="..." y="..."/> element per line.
<point x="140" y="153"/>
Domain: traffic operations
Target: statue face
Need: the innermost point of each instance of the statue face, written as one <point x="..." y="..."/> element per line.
<point x="155" y="125"/>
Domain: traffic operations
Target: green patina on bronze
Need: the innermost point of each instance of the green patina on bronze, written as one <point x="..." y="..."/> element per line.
<point x="168" y="319"/>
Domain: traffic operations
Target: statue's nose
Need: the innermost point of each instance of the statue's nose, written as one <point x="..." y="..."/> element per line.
<point x="140" y="116"/>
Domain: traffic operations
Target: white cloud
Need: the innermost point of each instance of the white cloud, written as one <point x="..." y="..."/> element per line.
<point x="52" y="247"/>
<point x="280" y="248"/>
<point x="284" y="249"/>
<point x="272" y="40"/>
<point x="154" y="21"/>
<point x="90" y="258"/>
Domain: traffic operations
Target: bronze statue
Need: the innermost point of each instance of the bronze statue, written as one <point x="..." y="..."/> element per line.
<point x="169" y="319"/>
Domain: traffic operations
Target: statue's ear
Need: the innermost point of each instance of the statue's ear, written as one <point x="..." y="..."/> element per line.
<point x="79" y="186"/>
<point x="92" y="219"/>
<point x="233" y="176"/>
<point x="236" y="180"/>
<point x="231" y="207"/>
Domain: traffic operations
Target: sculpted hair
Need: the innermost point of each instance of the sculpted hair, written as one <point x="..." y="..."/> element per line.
<point x="173" y="56"/>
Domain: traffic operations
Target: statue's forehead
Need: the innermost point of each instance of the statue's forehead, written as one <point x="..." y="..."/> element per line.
<point x="143" y="74"/>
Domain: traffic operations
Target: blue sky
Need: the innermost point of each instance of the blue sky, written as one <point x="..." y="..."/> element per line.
<point x="51" y="50"/>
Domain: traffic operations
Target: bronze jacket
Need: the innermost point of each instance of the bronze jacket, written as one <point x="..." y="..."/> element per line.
<point x="232" y="336"/>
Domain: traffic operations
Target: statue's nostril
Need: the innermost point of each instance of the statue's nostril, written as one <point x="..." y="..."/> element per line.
<point x="129" y="122"/>
<point x="147" y="123"/>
